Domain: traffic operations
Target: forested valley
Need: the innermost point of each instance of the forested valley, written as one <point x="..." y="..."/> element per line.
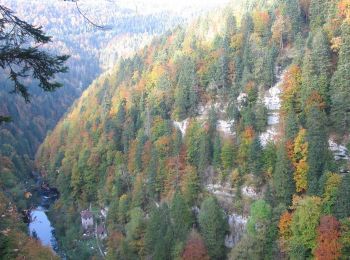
<point x="125" y="29"/>
<point x="225" y="138"/>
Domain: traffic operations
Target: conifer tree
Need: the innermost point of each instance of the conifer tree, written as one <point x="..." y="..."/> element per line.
<point x="217" y="151"/>
<point x="340" y="110"/>
<point x="158" y="235"/>
<point x="318" y="13"/>
<point x="213" y="227"/>
<point x="294" y="12"/>
<point x="181" y="216"/>
<point x="255" y="157"/>
<point x="283" y="176"/>
<point x="227" y="155"/>
<point x="317" y="147"/>
<point x="342" y="203"/>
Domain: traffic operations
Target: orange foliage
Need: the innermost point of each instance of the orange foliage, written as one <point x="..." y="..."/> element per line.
<point x="284" y="225"/>
<point x="291" y="87"/>
<point x="315" y="99"/>
<point x="114" y="242"/>
<point x="249" y="133"/>
<point x="261" y="20"/>
<point x="344" y="10"/>
<point x="284" y="228"/>
<point x="278" y="27"/>
<point x="195" y="248"/>
<point x="146" y="154"/>
<point x="328" y="234"/>
<point x="163" y="145"/>
<point x="290" y="148"/>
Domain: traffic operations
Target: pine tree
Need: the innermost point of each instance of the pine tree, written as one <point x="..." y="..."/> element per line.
<point x="213" y="226"/>
<point x="255" y="157"/>
<point x="292" y="126"/>
<point x="181" y="216"/>
<point x="204" y="153"/>
<point x="294" y="14"/>
<point x="158" y="235"/>
<point x="283" y="176"/>
<point x="135" y="231"/>
<point x="152" y="176"/>
<point x="316" y="69"/>
<point x="217" y="151"/>
<point x="318" y="13"/>
<point x="227" y="155"/>
<point x="191" y="185"/>
<point x="342" y="203"/>
<point x="317" y="147"/>
<point x="193" y="140"/>
<point x="340" y="110"/>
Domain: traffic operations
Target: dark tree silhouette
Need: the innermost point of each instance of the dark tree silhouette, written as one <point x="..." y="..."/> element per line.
<point x="21" y="55"/>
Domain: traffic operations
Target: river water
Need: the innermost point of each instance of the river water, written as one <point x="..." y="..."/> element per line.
<point x="41" y="228"/>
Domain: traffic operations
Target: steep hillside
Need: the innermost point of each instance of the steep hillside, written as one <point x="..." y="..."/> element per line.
<point x="91" y="50"/>
<point x="224" y="139"/>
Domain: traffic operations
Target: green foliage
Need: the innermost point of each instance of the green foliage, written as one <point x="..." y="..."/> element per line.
<point x="122" y="142"/>
<point x="283" y="176"/>
<point x="340" y="85"/>
<point x="193" y="141"/>
<point x="158" y="236"/>
<point x="135" y="231"/>
<point x="181" y="216"/>
<point x="227" y="155"/>
<point x="342" y="203"/>
<point x="317" y="148"/>
<point x="191" y="185"/>
<point x="304" y="223"/>
<point x="213" y="226"/>
<point x="260" y="214"/>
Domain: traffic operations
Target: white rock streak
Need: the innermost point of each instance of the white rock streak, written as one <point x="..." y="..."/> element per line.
<point x="340" y="152"/>
<point x="182" y="126"/>
<point x="272" y="102"/>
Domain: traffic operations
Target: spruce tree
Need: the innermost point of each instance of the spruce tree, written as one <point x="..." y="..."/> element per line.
<point x="342" y="203"/>
<point x="204" y="153"/>
<point x="213" y="227"/>
<point x="158" y="235"/>
<point x="294" y="14"/>
<point x="317" y="147"/>
<point x="340" y="109"/>
<point x="318" y="13"/>
<point x="255" y="157"/>
<point x="283" y="176"/>
<point x="181" y="216"/>
<point x="217" y="151"/>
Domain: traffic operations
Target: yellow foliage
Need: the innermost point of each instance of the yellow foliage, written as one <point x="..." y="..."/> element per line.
<point x="234" y="177"/>
<point x="299" y="159"/>
<point x="344" y="10"/>
<point x="332" y="183"/>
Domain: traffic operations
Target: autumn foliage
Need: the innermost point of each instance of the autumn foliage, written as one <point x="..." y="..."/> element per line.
<point x="328" y="234"/>
<point x="299" y="160"/>
<point x="195" y="248"/>
<point x="284" y="229"/>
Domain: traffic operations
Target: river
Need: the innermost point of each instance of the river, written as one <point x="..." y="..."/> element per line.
<point x="40" y="226"/>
